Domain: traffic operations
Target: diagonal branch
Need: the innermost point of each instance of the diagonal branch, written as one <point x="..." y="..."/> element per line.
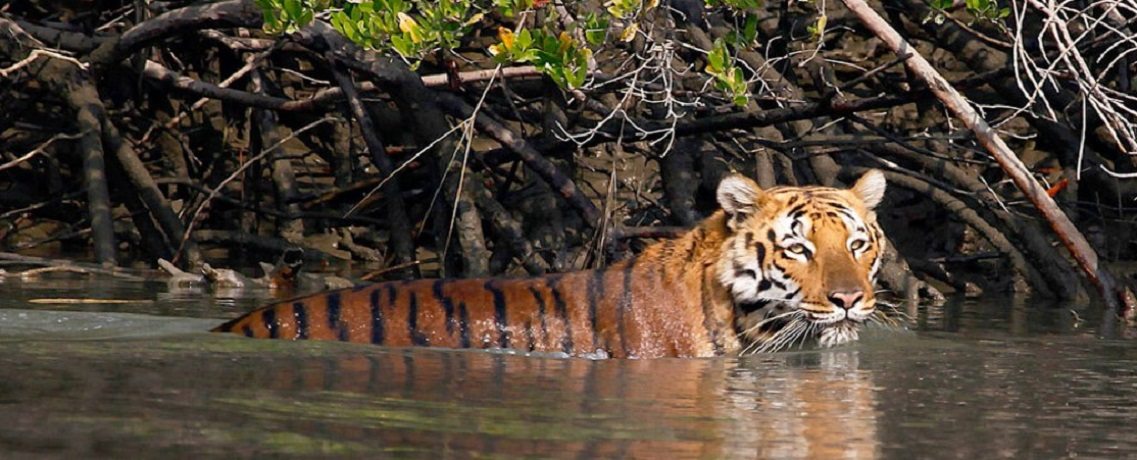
<point x="401" y="241"/>
<point x="1118" y="298"/>
<point x="532" y="158"/>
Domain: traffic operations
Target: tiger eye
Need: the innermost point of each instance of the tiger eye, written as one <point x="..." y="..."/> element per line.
<point x="856" y="245"/>
<point x="797" y="248"/>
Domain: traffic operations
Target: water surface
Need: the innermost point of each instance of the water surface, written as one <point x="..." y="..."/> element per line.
<point x="987" y="379"/>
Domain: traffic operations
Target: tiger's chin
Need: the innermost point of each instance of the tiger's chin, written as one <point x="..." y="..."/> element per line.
<point x="839" y="333"/>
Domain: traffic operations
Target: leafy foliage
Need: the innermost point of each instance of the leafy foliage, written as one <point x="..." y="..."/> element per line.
<point x="728" y="77"/>
<point x="412" y="30"/>
<point x="416" y="29"/>
<point x="288" y="16"/>
<point x="984" y="10"/>
<point x="739" y="5"/>
<point x="560" y="57"/>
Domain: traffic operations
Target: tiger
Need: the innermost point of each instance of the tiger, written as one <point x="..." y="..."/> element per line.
<point x="770" y="268"/>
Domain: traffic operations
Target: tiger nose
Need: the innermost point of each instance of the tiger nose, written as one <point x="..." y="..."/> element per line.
<point x="846" y="299"/>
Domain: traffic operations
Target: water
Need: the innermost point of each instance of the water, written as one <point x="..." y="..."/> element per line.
<point x="990" y="379"/>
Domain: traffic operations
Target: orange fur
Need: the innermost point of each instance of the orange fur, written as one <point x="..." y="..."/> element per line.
<point x="690" y="296"/>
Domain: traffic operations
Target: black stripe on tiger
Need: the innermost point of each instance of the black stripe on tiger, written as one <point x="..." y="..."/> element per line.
<point x="463" y="325"/>
<point x="540" y="311"/>
<point x="300" y="312"/>
<point x="447" y="304"/>
<point x="595" y="293"/>
<point x="228" y="326"/>
<point x="376" y="319"/>
<point x="418" y="339"/>
<point x="335" y="316"/>
<point x="751" y="307"/>
<point x="268" y="316"/>
<point x="765" y="285"/>
<point x="562" y="312"/>
<point x="499" y="314"/>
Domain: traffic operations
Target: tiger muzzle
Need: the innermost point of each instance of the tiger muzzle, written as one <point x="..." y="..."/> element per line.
<point x="845" y="299"/>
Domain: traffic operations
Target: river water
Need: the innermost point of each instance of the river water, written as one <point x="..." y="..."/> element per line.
<point x="140" y="377"/>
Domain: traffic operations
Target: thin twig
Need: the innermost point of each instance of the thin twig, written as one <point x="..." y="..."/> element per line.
<point x="36" y="54"/>
<point x="42" y="147"/>
<point x="265" y="152"/>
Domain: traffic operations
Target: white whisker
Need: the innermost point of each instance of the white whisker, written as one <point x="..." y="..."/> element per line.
<point x="784" y="337"/>
<point x="772" y="318"/>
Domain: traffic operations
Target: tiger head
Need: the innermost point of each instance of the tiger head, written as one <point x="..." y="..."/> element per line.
<point x="800" y="261"/>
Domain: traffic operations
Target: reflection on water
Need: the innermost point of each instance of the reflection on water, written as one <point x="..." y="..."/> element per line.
<point x="985" y="381"/>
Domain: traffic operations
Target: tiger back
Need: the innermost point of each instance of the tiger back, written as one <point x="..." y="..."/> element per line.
<point x="771" y="268"/>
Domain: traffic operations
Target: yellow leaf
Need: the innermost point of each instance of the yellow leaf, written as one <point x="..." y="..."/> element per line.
<point x="506" y="36"/>
<point x="651" y="4"/>
<point x="820" y="30"/>
<point x="629" y="32"/>
<point x="587" y="54"/>
<point x="408" y="25"/>
<point x="566" y="41"/>
<point x="474" y="19"/>
<point x="496" y="50"/>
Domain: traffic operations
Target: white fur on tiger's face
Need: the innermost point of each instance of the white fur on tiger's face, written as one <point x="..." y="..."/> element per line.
<point x="801" y="260"/>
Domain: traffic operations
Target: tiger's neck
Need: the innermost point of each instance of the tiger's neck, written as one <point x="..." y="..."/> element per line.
<point x="687" y="272"/>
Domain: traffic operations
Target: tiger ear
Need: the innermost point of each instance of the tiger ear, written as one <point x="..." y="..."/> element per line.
<point x="739" y="197"/>
<point x="870" y="188"/>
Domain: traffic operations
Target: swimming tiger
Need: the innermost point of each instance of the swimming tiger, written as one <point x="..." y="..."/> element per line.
<point x="770" y="268"/>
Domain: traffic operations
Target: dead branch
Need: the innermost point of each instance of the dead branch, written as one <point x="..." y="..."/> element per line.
<point x="265" y="243"/>
<point x="73" y="85"/>
<point x="40" y="150"/>
<point x="968" y="215"/>
<point x="399" y="224"/>
<point x="229" y="13"/>
<point x="1117" y="297"/>
<point x="68" y="266"/>
<point x="266" y="126"/>
<point x="528" y="154"/>
<point x="1057" y="274"/>
<point x="509" y="229"/>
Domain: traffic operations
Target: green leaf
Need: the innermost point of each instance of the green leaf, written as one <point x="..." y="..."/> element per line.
<point x="524" y="41"/>
<point x="529" y="55"/>
<point x="403" y="46"/>
<point x="305" y="18"/>
<point x="292" y="8"/>
<point x="575" y="79"/>
<point x="341" y="22"/>
<point x="717" y="58"/>
<point x="750" y="29"/>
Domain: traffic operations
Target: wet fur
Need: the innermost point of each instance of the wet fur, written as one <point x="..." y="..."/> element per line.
<point x="725" y="287"/>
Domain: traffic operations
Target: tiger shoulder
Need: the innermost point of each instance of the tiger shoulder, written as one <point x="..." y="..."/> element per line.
<point x="771" y="268"/>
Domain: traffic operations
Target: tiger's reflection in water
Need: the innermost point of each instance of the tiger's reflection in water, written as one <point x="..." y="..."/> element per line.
<point x="798" y="405"/>
<point x="811" y="405"/>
